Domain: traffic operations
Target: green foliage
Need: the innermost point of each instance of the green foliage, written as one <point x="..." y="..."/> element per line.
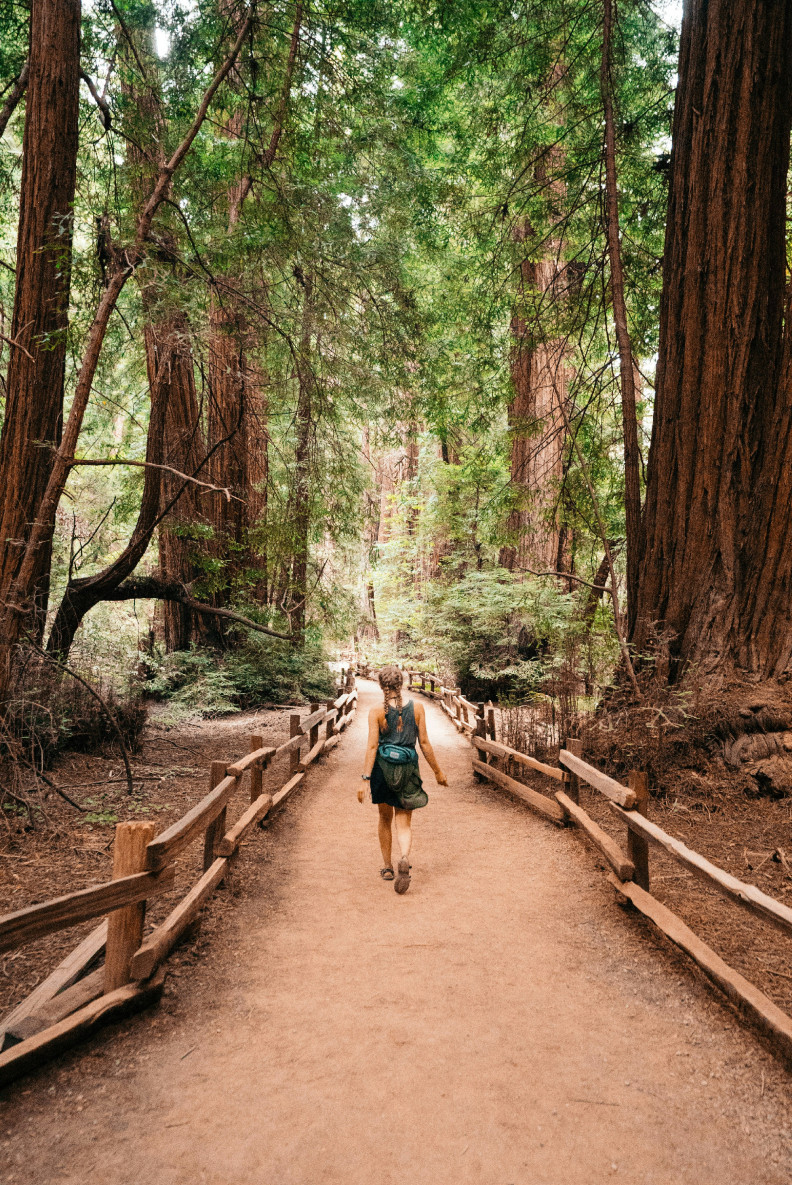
<point x="198" y="683"/>
<point x="432" y="156"/>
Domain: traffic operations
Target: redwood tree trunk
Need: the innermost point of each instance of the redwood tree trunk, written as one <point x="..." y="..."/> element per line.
<point x="34" y="384"/>
<point x="227" y="436"/>
<point x="168" y="349"/>
<point x="238" y="407"/>
<point x="539" y="379"/>
<point x="169" y="363"/>
<point x="717" y="547"/>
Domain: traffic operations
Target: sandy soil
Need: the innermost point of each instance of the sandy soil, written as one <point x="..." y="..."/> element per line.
<point x="502" y="1022"/>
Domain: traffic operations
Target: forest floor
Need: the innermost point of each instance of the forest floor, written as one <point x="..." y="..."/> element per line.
<point x="71" y="850"/>
<point x="503" y="1022"/>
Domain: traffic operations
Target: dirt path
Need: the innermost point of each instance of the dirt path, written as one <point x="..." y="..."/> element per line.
<point x="502" y="1023"/>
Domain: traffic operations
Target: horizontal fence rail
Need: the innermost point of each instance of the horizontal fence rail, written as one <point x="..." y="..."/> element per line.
<point x="78" y="995"/>
<point x="495" y="762"/>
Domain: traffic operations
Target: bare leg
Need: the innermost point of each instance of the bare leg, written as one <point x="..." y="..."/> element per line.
<point x="384" y="831"/>
<point x="403" y="820"/>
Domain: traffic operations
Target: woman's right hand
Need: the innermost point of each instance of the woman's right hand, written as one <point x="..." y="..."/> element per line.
<point x="440" y="778"/>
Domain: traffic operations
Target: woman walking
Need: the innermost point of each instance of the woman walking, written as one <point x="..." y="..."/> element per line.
<point x="391" y="768"/>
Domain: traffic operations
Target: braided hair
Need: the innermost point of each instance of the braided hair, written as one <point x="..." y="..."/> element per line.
<point x="390" y="680"/>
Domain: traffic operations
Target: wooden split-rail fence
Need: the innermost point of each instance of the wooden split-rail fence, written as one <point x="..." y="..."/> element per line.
<point x="630" y="866"/>
<point x="74" y="1000"/>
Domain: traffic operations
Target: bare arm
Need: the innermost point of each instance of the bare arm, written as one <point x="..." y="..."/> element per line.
<point x="426" y="745"/>
<point x="371" y="748"/>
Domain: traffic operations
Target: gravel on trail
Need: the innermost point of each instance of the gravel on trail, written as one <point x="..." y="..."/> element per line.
<point x="502" y="1023"/>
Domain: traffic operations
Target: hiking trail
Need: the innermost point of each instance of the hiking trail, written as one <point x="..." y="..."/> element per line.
<point x="501" y="1023"/>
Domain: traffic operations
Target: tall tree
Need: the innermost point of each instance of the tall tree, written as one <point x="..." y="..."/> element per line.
<point x="34" y="383"/>
<point x="238" y="403"/>
<point x="539" y="372"/>
<point x="168" y="344"/>
<point x="627" y="370"/>
<point x="539" y="378"/>
<point x="716" y="563"/>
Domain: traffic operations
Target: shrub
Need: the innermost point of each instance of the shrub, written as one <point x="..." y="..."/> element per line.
<point x="260" y="671"/>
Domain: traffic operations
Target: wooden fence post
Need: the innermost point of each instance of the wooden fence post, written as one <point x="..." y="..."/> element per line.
<point x="637" y="846"/>
<point x="314" y="735"/>
<point x="573" y="745"/>
<point x="125" y="926"/>
<point x="479" y="731"/>
<point x="294" y="730"/>
<point x="216" y="829"/>
<point x="331" y="724"/>
<point x="256" y="771"/>
<point x="491" y="722"/>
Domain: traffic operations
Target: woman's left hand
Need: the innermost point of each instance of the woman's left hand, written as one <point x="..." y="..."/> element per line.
<point x="361" y="793"/>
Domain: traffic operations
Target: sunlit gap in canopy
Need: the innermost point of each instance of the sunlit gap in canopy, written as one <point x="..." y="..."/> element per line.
<point x="670" y="11"/>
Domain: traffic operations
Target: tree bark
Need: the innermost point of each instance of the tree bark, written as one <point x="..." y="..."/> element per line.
<point x="84" y="592"/>
<point x="539" y="379"/>
<point x="227" y="421"/>
<point x="717" y="554"/>
<point x="238" y="404"/>
<point x="632" y="454"/>
<point x="169" y="348"/>
<point x="170" y="367"/>
<point x="34" y="385"/>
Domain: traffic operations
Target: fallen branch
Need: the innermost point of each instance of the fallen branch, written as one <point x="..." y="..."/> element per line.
<point x="60" y="790"/>
<point x="22" y="802"/>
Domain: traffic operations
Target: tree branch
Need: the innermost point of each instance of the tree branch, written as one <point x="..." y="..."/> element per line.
<point x="600" y="588"/>
<point x="618" y="621"/>
<point x="17" y="91"/>
<point x="153" y="465"/>
<point x="277" y="130"/>
<point x="104" y="110"/>
<point x="632" y="451"/>
<point x="18" y="345"/>
<point x="151" y="588"/>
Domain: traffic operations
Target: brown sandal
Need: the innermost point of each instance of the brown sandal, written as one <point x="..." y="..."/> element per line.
<point x="403" y="879"/>
<point x="387" y="873"/>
